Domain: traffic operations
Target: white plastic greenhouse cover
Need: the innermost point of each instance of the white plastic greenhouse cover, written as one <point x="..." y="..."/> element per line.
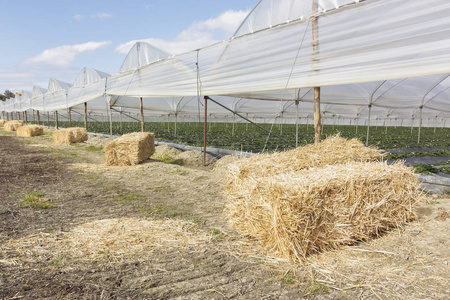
<point x="56" y="96"/>
<point x="390" y="55"/>
<point x="142" y="54"/>
<point x="37" y="98"/>
<point x="89" y="86"/>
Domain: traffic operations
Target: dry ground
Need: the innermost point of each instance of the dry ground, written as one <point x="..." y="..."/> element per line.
<point x="157" y="231"/>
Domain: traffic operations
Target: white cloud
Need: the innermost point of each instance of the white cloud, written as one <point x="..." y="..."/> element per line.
<point x="62" y="56"/>
<point x="100" y="16"/>
<point x="198" y="35"/>
<point x="79" y="17"/>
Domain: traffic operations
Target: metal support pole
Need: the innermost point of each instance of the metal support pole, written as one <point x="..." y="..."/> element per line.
<point x="141" y="107"/>
<point x="56" y="119"/>
<point x="38" y="118"/>
<point x="204" y="129"/>
<point x="48" y="119"/>
<point x="254" y="123"/>
<point x="69" y="111"/>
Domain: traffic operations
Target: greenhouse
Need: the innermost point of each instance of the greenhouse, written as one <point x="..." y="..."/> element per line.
<point x="290" y="62"/>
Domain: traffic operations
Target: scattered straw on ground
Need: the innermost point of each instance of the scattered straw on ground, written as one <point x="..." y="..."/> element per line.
<point x="98" y="141"/>
<point x="30" y="131"/>
<point x="130" y="149"/>
<point x="124" y="236"/>
<point x="194" y="158"/>
<point x="69" y="136"/>
<point x="223" y="162"/>
<point x="127" y="235"/>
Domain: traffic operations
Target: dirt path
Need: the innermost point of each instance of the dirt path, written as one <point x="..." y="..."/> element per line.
<point x="39" y="256"/>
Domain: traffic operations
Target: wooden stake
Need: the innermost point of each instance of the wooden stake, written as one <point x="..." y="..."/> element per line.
<point x="70" y="117"/>
<point x="85" y="115"/>
<point x="48" y="119"/>
<point x="56" y="119"/>
<point x="317" y="116"/>
<point x="204" y="130"/>
<point x="38" y="119"/>
<point x="141" y="107"/>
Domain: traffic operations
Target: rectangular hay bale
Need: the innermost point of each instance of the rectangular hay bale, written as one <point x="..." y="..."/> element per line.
<point x="30" y="131"/>
<point x="2" y="122"/>
<point x="12" y="125"/>
<point x="69" y="136"/>
<point x="297" y="214"/>
<point x="130" y="149"/>
<point x="333" y="150"/>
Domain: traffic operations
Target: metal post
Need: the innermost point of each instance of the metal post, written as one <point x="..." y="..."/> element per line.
<point x="141" y="107"/>
<point x="48" y="119"/>
<point x="69" y="111"/>
<point x="204" y="130"/>
<point x="38" y="119"/>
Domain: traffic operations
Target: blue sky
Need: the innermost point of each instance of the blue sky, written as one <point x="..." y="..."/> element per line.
<point x="43" y="39"/>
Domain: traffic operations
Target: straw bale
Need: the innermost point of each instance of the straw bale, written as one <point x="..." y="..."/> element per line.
<point x="30" y="130"/>
<point x="130" y="149"/>
<point x="333" y="150"/>
<point x="2" y="122"/>
<point x="297" y="214"/>
<point x="69" y="136"/>
<point x="12" y="125"/>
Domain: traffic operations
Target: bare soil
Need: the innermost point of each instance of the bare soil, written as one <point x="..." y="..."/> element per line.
<point x="37" y="261"/>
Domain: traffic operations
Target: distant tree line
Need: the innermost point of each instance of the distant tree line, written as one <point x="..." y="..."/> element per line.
<point x="7" y="94"/>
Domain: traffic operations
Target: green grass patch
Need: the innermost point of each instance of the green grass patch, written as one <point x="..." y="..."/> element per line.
<point x="316" y="287"/>
<point x="36" y="199"/>
<point x="128" y="197"/>
<point x="160" y="189"/>
<point x="93" y="148"/>
<point x="182" y="172"/>
<point x="167" y="158"/>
